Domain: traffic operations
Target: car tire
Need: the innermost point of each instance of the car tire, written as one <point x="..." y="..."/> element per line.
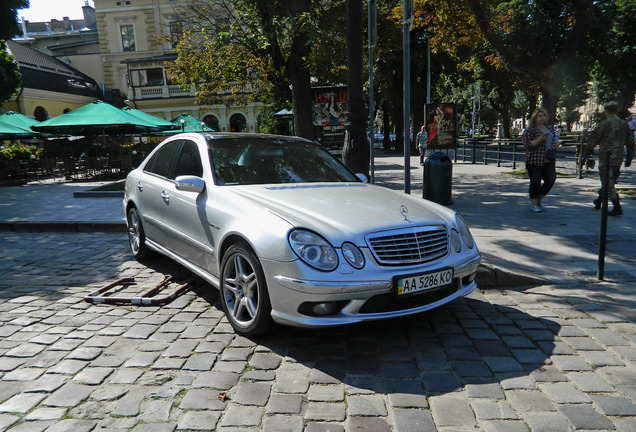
<point x="136" y="235"/>
<point x="244" y="295"/>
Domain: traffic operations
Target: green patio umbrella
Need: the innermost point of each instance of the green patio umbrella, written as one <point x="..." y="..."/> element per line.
<point x="187" y="123"/>
<point x="149" y="118"/>
<point x="8" y="131"/>
<point x="20" y="120"/>
<point x="97" y="118"/>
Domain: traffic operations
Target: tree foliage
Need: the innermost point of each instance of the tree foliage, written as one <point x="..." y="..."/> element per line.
<point x="9" y="73"/>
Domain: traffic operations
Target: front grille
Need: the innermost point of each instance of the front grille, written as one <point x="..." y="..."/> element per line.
<point x="409" y="246"/>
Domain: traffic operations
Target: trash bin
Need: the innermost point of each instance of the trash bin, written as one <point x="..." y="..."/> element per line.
<point x="438" y="178"/>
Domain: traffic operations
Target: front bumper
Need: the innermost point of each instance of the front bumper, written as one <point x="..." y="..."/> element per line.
<point x="360" y="301"/>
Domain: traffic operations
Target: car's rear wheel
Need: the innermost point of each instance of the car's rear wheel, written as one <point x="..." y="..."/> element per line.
<point x="244" y="293"/>
<point x="136" y="236"/>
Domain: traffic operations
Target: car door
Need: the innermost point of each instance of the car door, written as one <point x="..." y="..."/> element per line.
<point x="185" y="222"/>
<point x="150" y="184"/>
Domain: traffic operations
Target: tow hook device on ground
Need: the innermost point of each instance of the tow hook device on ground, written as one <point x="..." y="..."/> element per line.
<point x="146" y="298"/>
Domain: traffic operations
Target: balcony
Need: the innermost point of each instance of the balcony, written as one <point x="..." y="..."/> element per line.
<point x="159" y="92"/>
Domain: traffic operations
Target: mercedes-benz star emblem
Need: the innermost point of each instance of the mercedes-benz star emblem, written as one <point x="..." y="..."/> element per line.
<point x="404" y="211"/>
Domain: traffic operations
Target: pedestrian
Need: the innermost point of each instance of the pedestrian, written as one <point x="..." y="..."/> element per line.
<point x="611" y="134"/>
<point x="421" y="141"/>
<point x="540" y="144"/>
<point x="632" y="125"/>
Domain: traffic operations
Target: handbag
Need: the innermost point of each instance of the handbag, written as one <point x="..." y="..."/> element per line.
<point x="550" y="155"/>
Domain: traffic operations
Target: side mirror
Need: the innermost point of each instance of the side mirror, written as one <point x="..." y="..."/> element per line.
<point x="363" y="178"/>
<point x="189" y="183"/>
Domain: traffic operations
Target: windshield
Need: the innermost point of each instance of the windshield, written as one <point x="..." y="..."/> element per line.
<point x="245" y="161"/>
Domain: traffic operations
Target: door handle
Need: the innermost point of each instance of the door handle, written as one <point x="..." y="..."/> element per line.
<point x="140" y="186"/>
<point x="165" y="196"/>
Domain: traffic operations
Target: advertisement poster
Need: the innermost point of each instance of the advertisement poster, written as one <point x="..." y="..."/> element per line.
<point x="441" y="125"/>
<point x="330" y="106"/>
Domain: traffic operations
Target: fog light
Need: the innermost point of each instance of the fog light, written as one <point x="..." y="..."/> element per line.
<point x="324" y="309"/>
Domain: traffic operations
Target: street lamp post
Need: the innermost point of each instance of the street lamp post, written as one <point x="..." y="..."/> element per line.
<point x="182" y="125"/>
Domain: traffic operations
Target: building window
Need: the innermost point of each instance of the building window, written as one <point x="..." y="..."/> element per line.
<point x="127" y="32"/>
<point x="146" y="77"/>
<point x="176" y="32"/>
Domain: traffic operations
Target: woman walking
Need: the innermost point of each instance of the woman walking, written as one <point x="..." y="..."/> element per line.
<point x="540" y="143"/>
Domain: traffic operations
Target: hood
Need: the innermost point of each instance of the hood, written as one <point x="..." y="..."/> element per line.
<point x="344" y="211"/>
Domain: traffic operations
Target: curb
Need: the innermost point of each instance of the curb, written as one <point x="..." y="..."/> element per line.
<point x="489" y="276"/>
<point x="54" y="226"/>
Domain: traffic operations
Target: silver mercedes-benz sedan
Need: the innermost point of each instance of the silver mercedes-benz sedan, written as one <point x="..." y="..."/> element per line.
<point x="290" y="235"/>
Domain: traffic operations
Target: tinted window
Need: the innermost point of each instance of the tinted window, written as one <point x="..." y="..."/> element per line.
<point x="189" y="161"/>
<point x="161" y="161"/>
<point x="274" y="161"/>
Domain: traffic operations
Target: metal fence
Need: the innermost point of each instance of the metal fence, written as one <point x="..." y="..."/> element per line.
<point x="511" y="152"/>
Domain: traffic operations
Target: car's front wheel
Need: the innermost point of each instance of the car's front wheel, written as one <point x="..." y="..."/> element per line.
<point x="136" y="235"/>
<point x="244" y="292"/>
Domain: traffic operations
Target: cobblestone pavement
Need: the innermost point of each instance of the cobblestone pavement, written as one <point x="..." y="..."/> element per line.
<point x="498" y="360"/>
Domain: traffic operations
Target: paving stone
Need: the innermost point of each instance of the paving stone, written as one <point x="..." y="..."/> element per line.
<point x="441" y="382"/>
<point x="25" y="350"/>
<point x="7" y="420"/>
<point x="23" y="374"/>
<point x="449" y="411"/>
<point x="201" y="362"/>
<point x="284" y="404"/>
<point x="563" y="393"/>
<point x="199" y="420"/>
<point x="548" y="373"/>
<point x="513" y="382"/>
<point x="155" y="427"/>
<point x="169" y="363"/>
<point x="202" y="400"/>
<point x="325" y="411"/>
<point x="46" y="383"/>
<point x="607" y="337"/>
<point x="92" y="375"/>
<point x="45" y="414"/>
<point x="141" y="360"/>
<point x="234" y="354"/>
<point x="69" y="395"/>
<point x="229" y="366"/>
<point x="291" y="383"/>
<point x="8" y="364"/>
<point x="155" y="410"/>
<point x="242" y="416"/>
<point x="248" y="393"/>
<point x="126" y="376"/>
<point x="614" y="405"/>
<point x="325" y="393"/>
<point x="129" y="405"/>
<point x="21" y="403"/>
<point x="590" y="382"/>
<point x="601" y="358"/>
<point x="547" y="422"/>
<point x="84" y="354"/>
<point x="504" y="426"/>
<point x="324" y="427"/>
<point x="493" y="410"/>
<point x="585" y="417"/>
<point x="74" y="425"/>
<point x="109" y="392"/>
<point x="571" y="363"/>
<point x="583" y="343"/>
<point x="529" y="401"/>
<point x="366" y="405"/>
<point x="503" y="364"/>
<point x="280" y="423"/>
<point x="374" y="424"/>
<point x="68" y="367"/>
<point x="140" y="331"/>
<point x="405" y="400"/>
<point x="489" y="390"/>
<point x="265" y="361"/>
<point x="217" y="380"/>
<point x="617" y="375"/>
<point x="260" y="375"/>
<point x="410" y="420"/>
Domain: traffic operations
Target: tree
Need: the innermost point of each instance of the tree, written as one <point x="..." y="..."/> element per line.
<point x="255" y="47"/>
<point x="9" y="71"/>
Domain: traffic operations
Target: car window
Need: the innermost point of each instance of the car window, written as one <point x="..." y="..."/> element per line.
<point x="271" y="161"/>
<point x="189" y="161"/>
<point x="161" y="161"/>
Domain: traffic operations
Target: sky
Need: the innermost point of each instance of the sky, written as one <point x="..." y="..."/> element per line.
<point x="46" y="10"/>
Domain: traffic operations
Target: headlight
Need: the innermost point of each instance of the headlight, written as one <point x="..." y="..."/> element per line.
<point x="353" y="255"/>
<point x="313" y="249"/>
<point x="455" y="241"/>
<point x="464" y="232"/>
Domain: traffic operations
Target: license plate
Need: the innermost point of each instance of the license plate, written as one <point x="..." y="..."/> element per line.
<point x="422" y="282"/>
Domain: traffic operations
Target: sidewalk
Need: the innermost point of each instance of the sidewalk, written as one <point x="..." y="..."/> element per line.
<point x="557" y="246"/>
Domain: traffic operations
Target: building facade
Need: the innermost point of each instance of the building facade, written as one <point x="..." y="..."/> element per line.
<point x="135" y="64"/>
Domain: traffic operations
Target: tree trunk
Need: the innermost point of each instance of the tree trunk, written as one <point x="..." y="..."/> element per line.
<point x="301" y="88"/>
<point x="355" y="152"/>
